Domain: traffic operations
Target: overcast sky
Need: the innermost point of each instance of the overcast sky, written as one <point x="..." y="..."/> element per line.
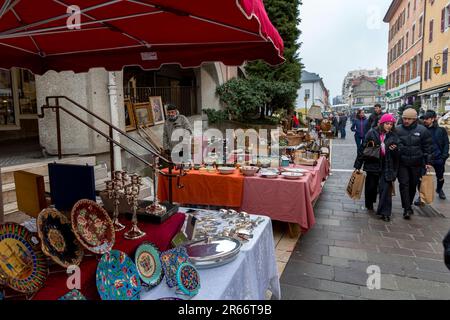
<point x="343" y="35"/>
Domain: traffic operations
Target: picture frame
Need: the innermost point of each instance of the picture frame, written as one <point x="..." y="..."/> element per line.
<point x="130" y="120"/>
<point x="143" y="114"/>
<point x="157" y="108"/>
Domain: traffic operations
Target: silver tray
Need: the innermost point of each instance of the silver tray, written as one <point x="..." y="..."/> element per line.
<point x="213" y="252"/>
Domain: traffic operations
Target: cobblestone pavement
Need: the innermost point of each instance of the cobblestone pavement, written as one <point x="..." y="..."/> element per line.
<point x="331" y="260"/>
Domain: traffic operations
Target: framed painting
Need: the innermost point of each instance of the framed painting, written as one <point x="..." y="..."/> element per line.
<point x="130" y="120"/>
<point x="143" y="114"/>
<point x="157" y="110"/>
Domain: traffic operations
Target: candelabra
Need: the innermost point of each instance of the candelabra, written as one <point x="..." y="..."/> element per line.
<point x="156" y="208"/>
<point x="132" y="193"/>
<point x="115" y="189"/>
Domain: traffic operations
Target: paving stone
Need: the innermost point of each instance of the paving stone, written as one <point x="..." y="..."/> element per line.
<point x="378" y="227"/>
<point x="348" y="253"/>
<point x="319" y="249"/>
<point x="299" y="293"/>
<point x="405" y="229"/>
<point x="315" y="270"/>
<point x="334" y="261"/>
<point x="429" y="275"/>
<point x="397" y="251"/>
<point x="428" y="255"/>
<point x="304" y="241"/>
<point x="340" y="288"/>
<point x="307" y="257"/>
<point x="424" y="288"/>
<point x="299" y="280"/>
<point x="385" y="294"/>
<point x="351" y="275"/>
<point x="424" y="239"/>
<point x="328" y="222"/>
<point x="431" y="265"/>
<point x="396" y="235"/>
<point x="344" y="236"/>
<point x="407" y="244"/>
<point x="355" y="245"/>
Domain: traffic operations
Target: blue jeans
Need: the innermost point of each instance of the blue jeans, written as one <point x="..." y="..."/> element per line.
<point x="343" y="133"/>
<point x="359" y="141"/>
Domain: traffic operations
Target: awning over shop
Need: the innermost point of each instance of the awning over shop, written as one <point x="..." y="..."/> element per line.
<point x="81" y="34"/>
<point x="434" y="91"/>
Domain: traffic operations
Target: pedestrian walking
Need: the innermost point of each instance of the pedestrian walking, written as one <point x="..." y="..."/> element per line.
<point x="415" y="147"/>
<point x="375" y="116"/>
<point x="381" y="167"/>
<point x="440" y="151"/>
<point x="360" y="128"/>
<point x="342" y="124"/>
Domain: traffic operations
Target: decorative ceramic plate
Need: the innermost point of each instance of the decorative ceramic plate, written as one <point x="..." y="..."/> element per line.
<point x="292" y="175"/>
<point x="93" y="226"/>
<point x="22" y="262"/>
<point x="171" y="260"/>
<point x="171" y="298"/>
<point x="269" y="175"/>
<point x="148" y="264"/>
<point x="73" y="295"/>
<point x="57" y="238"/>
<point x="188" y="279"/>
<point x="117" y="277"/>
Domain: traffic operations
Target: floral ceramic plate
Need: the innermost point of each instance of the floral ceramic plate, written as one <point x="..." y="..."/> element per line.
<point x="73" y="295"/>
<point x="22" y="262"/>
<point x="171" y="261"/>
<point x="93" y="226"/>
<point x="188" y="279"/>
<point x="148" y="264"/>
<point x="57" y="238"/>
<point x="117" y="277"/>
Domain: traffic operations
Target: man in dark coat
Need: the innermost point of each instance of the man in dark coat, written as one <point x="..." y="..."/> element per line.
<point x="342" y="124"/>
<point x="415" y="147"/>
<point x="440" y="148"/>
<point x="446" y="243"/>
<point x="375" y="116"/>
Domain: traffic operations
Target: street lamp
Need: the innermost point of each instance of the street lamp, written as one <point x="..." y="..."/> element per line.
<point x="437" y="67"/>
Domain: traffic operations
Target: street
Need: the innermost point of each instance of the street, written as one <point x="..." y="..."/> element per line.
<point x="331" y="260"/>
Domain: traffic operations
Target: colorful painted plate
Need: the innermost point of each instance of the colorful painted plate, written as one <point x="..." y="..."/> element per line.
<point x="148" y="264"/>
<point x="171" y="261"/>
<point x="73" y="295"/>
<point x="57" y="238"/>
<point x="22" y="262"/>
<point x="93" y="227"/>
<point x="117" y="277"/>
<point x="188" y="279"/>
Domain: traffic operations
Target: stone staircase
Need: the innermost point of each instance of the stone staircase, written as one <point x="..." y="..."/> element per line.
<point x="41" y="168"/>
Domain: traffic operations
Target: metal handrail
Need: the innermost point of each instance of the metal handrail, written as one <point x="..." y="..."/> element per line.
<point x="110" y="139"/>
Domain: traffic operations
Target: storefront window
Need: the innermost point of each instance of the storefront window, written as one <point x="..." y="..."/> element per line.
<point x="27" y="92"/>
<point x="7" y="115"/>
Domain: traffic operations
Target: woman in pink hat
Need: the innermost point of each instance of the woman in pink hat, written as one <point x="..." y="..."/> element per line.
<point x="380" y="159"/>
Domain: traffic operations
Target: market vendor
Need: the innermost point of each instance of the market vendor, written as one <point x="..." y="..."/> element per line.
<point x="174" y="121"/>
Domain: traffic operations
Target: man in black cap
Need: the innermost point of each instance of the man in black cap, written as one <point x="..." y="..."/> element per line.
<point x="174" y="121"/>
<point x="416" y="152"/>
<point x="440" y="148"/>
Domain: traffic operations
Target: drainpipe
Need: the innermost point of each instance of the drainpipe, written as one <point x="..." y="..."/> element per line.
<point x="113" y="105"/>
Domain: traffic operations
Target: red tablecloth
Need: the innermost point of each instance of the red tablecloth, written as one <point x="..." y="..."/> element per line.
<point x="160" y="235"/>
<point x="286" y="200"/>
<point x="204" y="188"/>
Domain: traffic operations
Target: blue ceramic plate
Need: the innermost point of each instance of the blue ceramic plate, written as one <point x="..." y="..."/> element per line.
<point x="73" y="295"/>
<point x="148" y="264"/>
<point x="117" y="277"/>
<point x="188" y="279"/>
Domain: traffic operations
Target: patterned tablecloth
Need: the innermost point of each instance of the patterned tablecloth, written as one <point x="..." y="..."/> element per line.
<point x="248" y="277"/>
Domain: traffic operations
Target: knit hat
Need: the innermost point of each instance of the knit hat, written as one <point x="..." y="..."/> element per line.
<point x="410" y="113"/>
<point x="387" y="118"/>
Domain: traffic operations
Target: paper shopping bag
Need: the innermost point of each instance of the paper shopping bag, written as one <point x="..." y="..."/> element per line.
<point x="427" y="189"/>
<point x="356" y="185"/>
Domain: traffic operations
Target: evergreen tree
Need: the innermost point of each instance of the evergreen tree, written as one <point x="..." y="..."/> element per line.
<point x="284" y="15"/>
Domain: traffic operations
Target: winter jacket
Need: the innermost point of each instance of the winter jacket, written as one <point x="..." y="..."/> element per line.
<point x="446" y="243"/>
<point x="360" y="127"/>
<point x="440" y="142"/>
<point x="415" y="145"/>
<point x="388" y="165"/>
<point x="374" y="118"/>
<point x="342" y="122"/>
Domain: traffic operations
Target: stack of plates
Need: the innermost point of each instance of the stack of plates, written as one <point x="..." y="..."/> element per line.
<point x="226" y="170"/>
<point x="292" y="175"/>
<point x="296" y="170"/>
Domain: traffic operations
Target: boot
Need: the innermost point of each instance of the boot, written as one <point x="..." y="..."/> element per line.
<point x="407" y="214"/>
<point x="442" y="195"/>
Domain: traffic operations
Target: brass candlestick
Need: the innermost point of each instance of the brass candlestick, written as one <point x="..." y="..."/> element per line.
<point x="132" y="193"/>
<point x="114" y="188"/>
<point x="156" y="208"/>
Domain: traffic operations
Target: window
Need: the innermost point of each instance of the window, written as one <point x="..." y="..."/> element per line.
<point x="407" y="40"/>
<point x="307" y="93"/>
<point x="445" y="62"/>
<point x="430" y="65"/>
<point x="420" y="27"/>
<point x="443" y="16"/>
<point x="7" y="115"/>
<point x="426" y="70"/>
<point x="409" y="7"/>
<point x="413" y="34"/>
<point x="415" y="5"/>
<point x="430" y="39"/>
<point x="419" y="65"/>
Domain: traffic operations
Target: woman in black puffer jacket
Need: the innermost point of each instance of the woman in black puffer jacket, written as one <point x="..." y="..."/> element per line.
<point x="382" y="171"/>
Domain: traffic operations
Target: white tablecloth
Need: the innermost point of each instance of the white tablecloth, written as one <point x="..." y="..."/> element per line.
<point x="246" y="278"/>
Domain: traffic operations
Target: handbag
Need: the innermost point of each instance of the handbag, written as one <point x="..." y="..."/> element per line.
<point x="372" y="152"/>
